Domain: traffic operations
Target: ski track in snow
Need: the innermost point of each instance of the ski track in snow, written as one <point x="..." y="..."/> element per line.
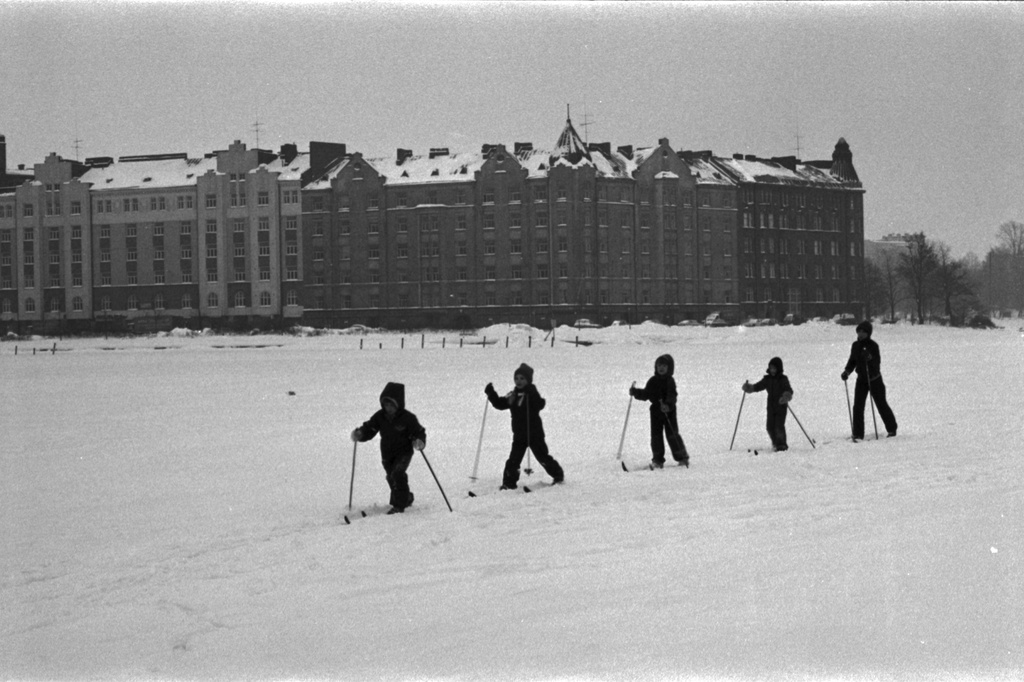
<point x="179" y="514"/>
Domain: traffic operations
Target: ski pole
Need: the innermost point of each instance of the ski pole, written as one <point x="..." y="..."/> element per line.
<point x="736" y="428"/>
<point x="436" y="481"/>
<point x="871" y="397"/>
<point x="801" y="427"/>
<point x="849" y="409"/>
<point x="480" y="443"/>
<point x="629" y="407"/>
<point x="352" y="478"/>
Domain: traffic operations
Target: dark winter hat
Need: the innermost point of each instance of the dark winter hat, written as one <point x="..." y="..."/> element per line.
<point x="666" y="360"/>
<point x="865" y="327"/>
<point x="525" y="370"/>
<point x="777" y="362"/>
<point x="394" y="393"/>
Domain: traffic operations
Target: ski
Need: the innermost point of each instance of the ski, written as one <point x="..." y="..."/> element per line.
<point x="650" y="467"/>
<point x="365" y="513"/>
<point x="541" y="484"/>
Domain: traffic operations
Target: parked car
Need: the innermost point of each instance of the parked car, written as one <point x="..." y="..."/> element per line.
<point x="767" y="322"/>
<point x="688" y="323"/>
<point x="619" y="323"/>
<point x="710" y="320"/>
<point x="750" y="322"/>
<point x="584" y="323"/>
<point x="844" y="319"/>
<point x="793" y="319"/>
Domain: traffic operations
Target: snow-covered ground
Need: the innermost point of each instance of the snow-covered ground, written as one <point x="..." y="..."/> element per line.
<point x="171" y="507"/>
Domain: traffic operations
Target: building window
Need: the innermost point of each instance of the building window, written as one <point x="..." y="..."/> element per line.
<point x="263" y="198"/>
<point x="212" y="301"/>
<point x="211" y="201"/>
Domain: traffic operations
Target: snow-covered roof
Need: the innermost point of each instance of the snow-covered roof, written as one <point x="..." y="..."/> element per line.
<point x="292" y="170"/>
<point x="178" y="172"/>
<point x="765" y="171"/>
<point x="415" y="170"/>
<point x="707" y="173"/>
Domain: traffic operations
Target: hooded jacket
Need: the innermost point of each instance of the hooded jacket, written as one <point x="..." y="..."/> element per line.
<point x="660" y="388"/>
<point x="865" y="357"/>
<point x="776" y="386"/>
<point x="396" y="433"/>
<point x="525" y="405"/>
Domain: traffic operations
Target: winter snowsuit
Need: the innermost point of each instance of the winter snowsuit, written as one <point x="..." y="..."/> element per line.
<point x="866" y="360"/>
<point x="397" y="434"/>
<point x="527" y="428"/>
<point x="779" y="394"/>
<point x="660" y="390"/>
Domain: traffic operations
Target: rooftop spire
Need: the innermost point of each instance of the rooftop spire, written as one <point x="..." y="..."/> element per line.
<point x="569" y="146"/>
<point x="842" y="164"/>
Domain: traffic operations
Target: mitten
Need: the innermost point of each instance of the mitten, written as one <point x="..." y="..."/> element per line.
<point x="357" y="436"/>
<point x="786" y="397"/>
<point x="845" y="375"/>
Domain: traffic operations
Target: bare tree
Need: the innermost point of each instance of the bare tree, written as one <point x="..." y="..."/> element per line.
<point x="1011" y="237"/>
<point x="888" y="268"/>
<point x="953" y="285"/>
<point x="917" y="267"/>
<point x="1011" y="241"/>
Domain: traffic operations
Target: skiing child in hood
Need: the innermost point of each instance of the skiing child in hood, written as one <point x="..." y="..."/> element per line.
<point x="779" y="394"/>
<point x="660" y="390"/>
<point x="866" y="360"/>
<point x="400" y="432"/>
<point x="525" y="403"/>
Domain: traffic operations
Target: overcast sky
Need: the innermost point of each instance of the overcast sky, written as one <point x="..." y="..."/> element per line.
<point x="929" y="96"/>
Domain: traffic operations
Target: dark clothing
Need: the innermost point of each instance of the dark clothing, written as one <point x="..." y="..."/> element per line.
<point x="527" y="430"/>
<point x="876" y="387"/>
<point x="866" y="360"/>
<point x="660" y="390"/>
<point x="397" y="434"/>
<point x="777" y="387"/>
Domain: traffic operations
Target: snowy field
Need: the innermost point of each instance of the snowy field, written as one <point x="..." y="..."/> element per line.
<point x="171" y="508"/>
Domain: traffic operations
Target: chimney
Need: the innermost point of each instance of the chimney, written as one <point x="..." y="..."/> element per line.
<point x="627" y="151"/>
<point x="486" y="149"/>
<point x="751" y="157"/>
<point x="663" y="142"/>
<point x="786" y="161"/>
<point x="323" y="153"/>
<point x="438" y="151"/>
<point x="288" y="153"/>
<point x="403" y="154"/>
<point x="738" y="157"/>
<point x="523" y="147"/>
<point x="602" y="147"/>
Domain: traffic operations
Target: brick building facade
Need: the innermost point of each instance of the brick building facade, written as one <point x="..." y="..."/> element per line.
<point x="247" y="237"/>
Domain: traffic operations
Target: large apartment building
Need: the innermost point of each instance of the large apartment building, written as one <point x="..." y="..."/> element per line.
<point x="247" y="237"/>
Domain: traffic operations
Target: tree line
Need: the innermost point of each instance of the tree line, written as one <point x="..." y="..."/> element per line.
<point x="925" y="283"/>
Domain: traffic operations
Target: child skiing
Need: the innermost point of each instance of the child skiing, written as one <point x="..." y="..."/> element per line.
<point x="779" y="394"/>
<point x="866" y="360"/>
<point x="660" y="390"/>
<point x="400" y="432"/>
<point x="525" y="403"/>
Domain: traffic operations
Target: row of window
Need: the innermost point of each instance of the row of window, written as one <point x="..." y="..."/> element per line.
<point x="239" y="300"/>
